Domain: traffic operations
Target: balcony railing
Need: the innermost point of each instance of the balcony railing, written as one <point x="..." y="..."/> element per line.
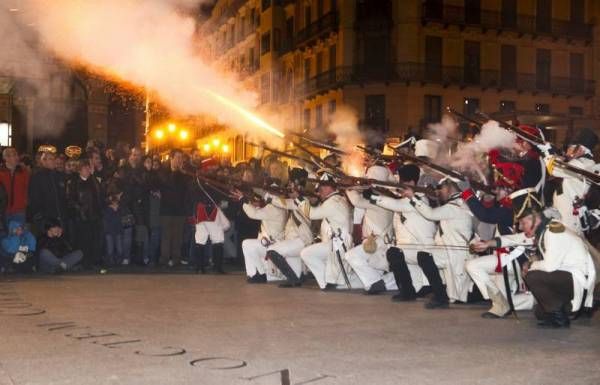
<point x="485" y="19"/>
<point x="446" y="76"/>
<point x="327" y="23"/>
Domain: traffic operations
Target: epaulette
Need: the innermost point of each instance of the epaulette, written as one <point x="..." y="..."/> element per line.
<point x="556" y="227"/>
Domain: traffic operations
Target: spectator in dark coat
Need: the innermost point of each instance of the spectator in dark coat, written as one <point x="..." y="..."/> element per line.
<point x="173" y="189"/>
<point x="85" y="204"/>
<point x="56" y="254"/>
<point x="47" y="198"/>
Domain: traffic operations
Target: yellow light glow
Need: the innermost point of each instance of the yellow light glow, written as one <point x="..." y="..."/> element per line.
<point x="225" y="149"/>
<point x="206" y="147"/>
<point x="216" y="142"/>
<point x="246" y="114"/>
<point x="159" y="134"/>
<point x="183" y="134"/>
<point x="172" y="127"/>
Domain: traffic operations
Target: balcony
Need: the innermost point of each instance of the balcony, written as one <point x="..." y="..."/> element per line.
<point x="326" y="24"/>
<point x="445" y="76"/>
<point x="499" y="21"/>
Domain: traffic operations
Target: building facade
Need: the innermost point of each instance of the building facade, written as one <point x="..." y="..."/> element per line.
<point x="399" y="63"/>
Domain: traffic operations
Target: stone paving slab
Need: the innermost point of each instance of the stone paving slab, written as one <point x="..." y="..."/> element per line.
<point x="189" y="329"/>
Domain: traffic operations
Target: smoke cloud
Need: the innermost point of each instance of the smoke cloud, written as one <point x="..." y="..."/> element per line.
<point x="30" y="70"/>
<point x="470" y="156"/>
<point x="344" y="125"/>
<point x="148" y="44"/>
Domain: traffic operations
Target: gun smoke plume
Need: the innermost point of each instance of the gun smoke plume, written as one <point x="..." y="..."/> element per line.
<point x="143" y="43"/>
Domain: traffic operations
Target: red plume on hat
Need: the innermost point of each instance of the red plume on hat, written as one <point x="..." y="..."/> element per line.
<point x="506" y="173"/>
<point x="532" y="132"/>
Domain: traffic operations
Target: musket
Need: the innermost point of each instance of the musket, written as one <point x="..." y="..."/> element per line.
<point x="282" y="153"/>
<point x="442" y="170"/>
<point x="320" y="144"/>
<point x="374" y="154"/>
<point x="357" y="183"/>
<point x="463" y="116"/>
<point x="536" y="141"/>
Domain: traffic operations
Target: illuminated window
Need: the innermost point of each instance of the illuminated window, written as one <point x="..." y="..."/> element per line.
<point x="5" y="134"/>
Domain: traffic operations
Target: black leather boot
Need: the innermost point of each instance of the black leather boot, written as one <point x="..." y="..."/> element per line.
<point x="280" y="262"/>
<point x="440" y="298"/>
<point x="217" y="258"/>
<point x="397" y="263"/>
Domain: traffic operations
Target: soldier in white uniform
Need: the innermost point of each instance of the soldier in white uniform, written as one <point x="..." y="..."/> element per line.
<point x="451" y="249"/>
<point x="562" y="282"/>
<point x="272" y="229"/>
<point x="569" y="197"/>
<point x="412" y="232"/>
<point x="326" y="258"/>
<point x="285" y="254"/>
<point x="368" y="259"/>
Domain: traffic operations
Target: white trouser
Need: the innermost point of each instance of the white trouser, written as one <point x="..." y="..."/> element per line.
<point x="483" y="272"/>
<point x="358" y="258"/>
<point x="290" y="249"/>
<point x="319" y="259"/>
<point x="254" y="256"/>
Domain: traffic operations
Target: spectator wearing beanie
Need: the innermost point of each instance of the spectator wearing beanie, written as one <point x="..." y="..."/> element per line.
<point x="56" y="254"/>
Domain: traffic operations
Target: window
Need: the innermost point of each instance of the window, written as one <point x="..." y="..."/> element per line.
<point x="472" y="62"/>
<point x="332" y="57"/>
<point x="306" y="68"/>
<point x="266" y="4"/>
<point x="306" y="119"/>
<point x="434" y="9"/>
<point x="576" y="72"/>
<point x="5" y="134"/>
<point x="509" y="13"/>
<point x="433" y="58"/>
<point x="375" y="112"/>
<point x="332" y="108"/>
<point x="577" y="12"/>
<point x="265" y="43"/>
<point x="507" y="106"/>
<point x="319" y="117"/>
<point x="307" y="15"/>
<point x="265" y="88"/>
<point x="543" y="16"/>
<point x="471" y="106"/>
<point x="543" y="67"/>
<point x="432" y="109"/>
<point x="277" y="40"/>
<point x="319" y="62"/>
<point x="320" y="6"/>
<point x="472" y="11"/>
<point x="508" y="66"/>
<point x="541" y="108"/>
<point x="573" y="110"/>
<point x="289" y="33"/>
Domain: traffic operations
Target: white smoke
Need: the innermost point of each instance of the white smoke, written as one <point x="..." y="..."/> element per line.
<point x="27" y="70"/>
<point x="150" y="44"/>
<point x="344" y="125"/>
<point x="470" y="156"/>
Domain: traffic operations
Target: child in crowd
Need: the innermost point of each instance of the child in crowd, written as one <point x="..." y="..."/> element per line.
<point x="18" y="248"/>
<point x="56" y="254"/>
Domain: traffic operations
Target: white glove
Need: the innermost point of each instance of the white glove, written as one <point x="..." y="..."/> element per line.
<point x="19" y="257"/>
<point x="545" y="149"/>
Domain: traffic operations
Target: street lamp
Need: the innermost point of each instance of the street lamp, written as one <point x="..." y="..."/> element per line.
<point x="183" y="135"/>
<point x="172" y="127"/>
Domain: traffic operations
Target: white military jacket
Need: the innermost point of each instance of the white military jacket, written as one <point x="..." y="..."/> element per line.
<point x="561" y="249"/>
<point x="273" y="220"/>
<point x="573" y="186"/>
<point x="412" y="230"/>
<point x="336" y="215"/>
<point x="377" y="220"/>
<point x="455" y="229"/>
<point x="297" y="226"/>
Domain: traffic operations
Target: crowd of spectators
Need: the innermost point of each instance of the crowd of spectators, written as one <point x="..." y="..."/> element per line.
<point x="101" y="208"/>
